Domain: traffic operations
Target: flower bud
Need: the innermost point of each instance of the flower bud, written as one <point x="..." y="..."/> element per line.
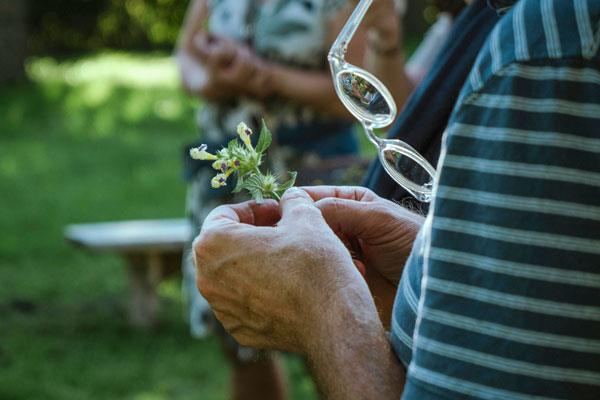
<point x="245" y="133"/>
<point x="218" y="181"/>
<point x="200" y="153"/>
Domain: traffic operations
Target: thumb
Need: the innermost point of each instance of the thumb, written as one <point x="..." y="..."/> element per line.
<point x="296" y="205"/>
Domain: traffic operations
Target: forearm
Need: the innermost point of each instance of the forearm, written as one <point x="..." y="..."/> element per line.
<point x="309" y="88"/>
<point x="350" y="356"/>
<point x="195" y="17"/>
<point x="385" y="60"/>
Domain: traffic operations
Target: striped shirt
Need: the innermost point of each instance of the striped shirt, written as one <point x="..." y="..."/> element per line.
<point x="500" y="298"/>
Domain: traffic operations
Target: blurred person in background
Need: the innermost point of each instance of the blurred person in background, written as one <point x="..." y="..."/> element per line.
<point x="252" y="60"/>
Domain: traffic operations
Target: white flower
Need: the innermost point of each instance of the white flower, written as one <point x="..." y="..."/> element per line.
<point x="219" y="180"/>
<point x="200" y="153"/>
<point x="245" y="133"/>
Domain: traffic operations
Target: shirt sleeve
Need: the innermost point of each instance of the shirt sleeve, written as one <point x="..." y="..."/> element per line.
<point x="511" y="293"/>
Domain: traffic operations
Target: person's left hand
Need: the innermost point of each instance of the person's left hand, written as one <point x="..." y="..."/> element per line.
<point x="272" y="274"/>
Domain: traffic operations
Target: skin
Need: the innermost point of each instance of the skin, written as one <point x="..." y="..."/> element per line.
<point x="233" y="69"/>
<point x="287" y="277"/>
<point x="281" y="277"/>
<point x="385" y="31"/>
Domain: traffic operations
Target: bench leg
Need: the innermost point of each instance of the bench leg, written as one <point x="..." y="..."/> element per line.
<point x="145" y="272"/>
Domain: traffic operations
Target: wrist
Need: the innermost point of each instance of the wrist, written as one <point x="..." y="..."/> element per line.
<point x="349" y="307"/>
<point x="353" y="335"/>
<point x="384" y="43"/>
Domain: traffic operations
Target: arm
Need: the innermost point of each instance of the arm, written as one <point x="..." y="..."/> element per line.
<point x="315" y="89"/>
<point x="315" y="303"/>
<point x="379" y="234"/>
<point x="209" y="65"/>
<point x="350" y="356"/>
<point x="194" y="21"/>
<point x="383" y="56"/>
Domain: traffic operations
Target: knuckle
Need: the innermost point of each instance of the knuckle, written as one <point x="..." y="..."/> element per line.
<point x="204" y="288"/>
<point x="225" y="319"/>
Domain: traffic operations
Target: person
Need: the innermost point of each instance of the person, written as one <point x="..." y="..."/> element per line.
<point x="267" y="59"/>
<point x="498" y="293"/>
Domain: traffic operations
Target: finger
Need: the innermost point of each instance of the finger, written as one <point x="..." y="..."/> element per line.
<point x="357" y="193"/>
<point x="296" y="206"/>
<point x="349" y="217"/>
<point x="223" y="52"/>
<point x="242" y="68"/>
<point x="360" y="266"/>
<point x="248" y="213"/>
<point x="200" y="46"/>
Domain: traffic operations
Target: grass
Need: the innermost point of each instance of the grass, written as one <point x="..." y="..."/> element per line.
<point x="95" y="139"/>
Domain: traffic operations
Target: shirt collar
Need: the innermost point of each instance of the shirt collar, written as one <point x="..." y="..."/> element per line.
<point x="502" y="6"/>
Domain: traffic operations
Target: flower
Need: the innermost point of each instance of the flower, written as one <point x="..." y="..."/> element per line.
<point x="245" y="133"/>
<point x="200" y="153"/>
<point x="219" y="180"/>
<point x="224" y="153"/>
<point x="269" y="182"/>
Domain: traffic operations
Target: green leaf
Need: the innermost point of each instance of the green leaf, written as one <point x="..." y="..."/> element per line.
<point x="254" y="184"/>
<point x="233" y="144"/>
<point x="264" y="140"/>
<point x="282" y="188"/>
<point x="258" y="197"/>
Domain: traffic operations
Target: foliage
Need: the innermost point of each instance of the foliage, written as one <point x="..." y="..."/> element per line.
<point x="244" y="161"/>
<point x="68" y="26"/>
<point x="89" y="140"/>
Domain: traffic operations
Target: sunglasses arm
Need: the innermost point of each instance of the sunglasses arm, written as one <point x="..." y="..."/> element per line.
<point x="339" y="47"/>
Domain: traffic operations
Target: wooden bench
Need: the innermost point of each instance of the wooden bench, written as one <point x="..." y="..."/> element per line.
<point x="152" y="248"/>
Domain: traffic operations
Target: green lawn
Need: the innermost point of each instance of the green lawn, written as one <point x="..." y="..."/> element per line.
<point x="95" y="139"/>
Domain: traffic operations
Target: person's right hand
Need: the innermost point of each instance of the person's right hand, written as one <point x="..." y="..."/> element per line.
<point x="380" y="231"/>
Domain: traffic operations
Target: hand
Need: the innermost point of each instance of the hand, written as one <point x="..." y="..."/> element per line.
<point x="247" y="74"/>
<point x="223" y="68"/>
<point x="382" y="232"/>
<point x="378" y="233"/>
<point x="273" y="274"/>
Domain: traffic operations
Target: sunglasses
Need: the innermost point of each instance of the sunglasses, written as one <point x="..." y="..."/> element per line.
<point x="371" y="103"/>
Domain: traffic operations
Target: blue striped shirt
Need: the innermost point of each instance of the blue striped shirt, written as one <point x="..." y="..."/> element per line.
<point x="500" y="298"/>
